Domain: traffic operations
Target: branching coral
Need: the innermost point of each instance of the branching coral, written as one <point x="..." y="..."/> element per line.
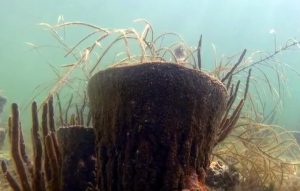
<point x="130" y="46"/>
<point x="263" y="154"/>
<point x="42" y="173"/>
<point x="53" y="166"/>
<point x="73" y="114"/>
<point x="140" y="46"/>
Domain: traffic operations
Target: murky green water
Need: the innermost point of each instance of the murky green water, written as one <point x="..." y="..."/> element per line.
<point x="227" y="26"/>
<point x="230" y="25"/>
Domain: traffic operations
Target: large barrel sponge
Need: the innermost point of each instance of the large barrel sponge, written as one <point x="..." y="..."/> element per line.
<point x="155" y="123"/>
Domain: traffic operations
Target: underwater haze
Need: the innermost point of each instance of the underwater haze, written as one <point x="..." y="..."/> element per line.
<point x="227" y="26"/>
<point x="263" y="35"/>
